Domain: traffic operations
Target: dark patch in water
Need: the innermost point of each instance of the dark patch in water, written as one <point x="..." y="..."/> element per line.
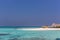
<point x="57" y="38"/>
<point x="4" y="34"/>
<point x="28" y="38"/>
<point x="14" y="39"/>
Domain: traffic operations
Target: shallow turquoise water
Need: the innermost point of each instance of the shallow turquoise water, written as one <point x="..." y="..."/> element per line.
<point x="28" y="35"/>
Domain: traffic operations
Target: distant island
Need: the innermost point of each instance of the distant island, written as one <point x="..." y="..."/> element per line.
<point x="54" y="25"/>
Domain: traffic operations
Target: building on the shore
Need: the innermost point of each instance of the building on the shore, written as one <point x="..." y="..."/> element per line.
<point x="54" y="25"/>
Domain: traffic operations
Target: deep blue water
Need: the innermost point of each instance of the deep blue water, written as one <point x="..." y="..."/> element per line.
<point x="20" y="26"/>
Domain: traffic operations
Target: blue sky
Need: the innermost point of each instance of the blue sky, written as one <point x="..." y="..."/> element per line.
<point x="29" y="12"/>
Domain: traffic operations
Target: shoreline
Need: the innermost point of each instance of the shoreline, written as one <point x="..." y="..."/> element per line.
<point x="30" y="29"/>
<point x="38" y="29"/>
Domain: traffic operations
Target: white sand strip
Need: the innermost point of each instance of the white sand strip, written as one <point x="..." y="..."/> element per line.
<point x="38" y="29"/>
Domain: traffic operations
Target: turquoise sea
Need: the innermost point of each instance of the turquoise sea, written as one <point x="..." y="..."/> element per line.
<point x="14" y="34"/>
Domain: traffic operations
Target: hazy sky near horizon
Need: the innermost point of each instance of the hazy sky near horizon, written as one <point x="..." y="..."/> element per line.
<point x="29" y="12"/>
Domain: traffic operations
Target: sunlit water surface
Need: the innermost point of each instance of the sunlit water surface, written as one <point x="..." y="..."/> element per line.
<point x="14" y="34"/>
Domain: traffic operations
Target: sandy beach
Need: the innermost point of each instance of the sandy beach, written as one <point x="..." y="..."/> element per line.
<point x="38" y="29"/>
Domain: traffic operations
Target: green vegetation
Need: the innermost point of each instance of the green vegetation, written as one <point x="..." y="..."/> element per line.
<point x="56" y="27"/>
